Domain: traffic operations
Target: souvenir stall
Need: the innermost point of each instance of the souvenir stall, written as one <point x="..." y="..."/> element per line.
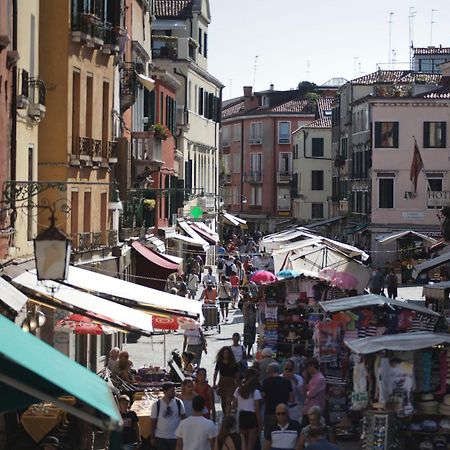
<point x="352" y="318"/>
<point x="402" y="383"/>
<point x="437" y="298"/>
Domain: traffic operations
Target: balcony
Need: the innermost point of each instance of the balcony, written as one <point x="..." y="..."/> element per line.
<point x="146" y="149"/>
<point x="23" y="95"/>
<point x="254" y="177"/>
<point x="110" y="40"/>
<point x="112" y="238"/>
<point x="284" y="176"/>
<point x="127" y="85"/>
<point x="96" y="240"/>
<point x="90" y="152"/>
<point x="81" y="242"/>
<point x="110" y="152"/>
<point x="164" y="46"/>
<point x="88" y="29"/>
<point x="226" y="178"/>
<point x="36" y="109"/>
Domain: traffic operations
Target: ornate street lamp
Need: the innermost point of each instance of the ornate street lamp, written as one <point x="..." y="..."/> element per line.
<point x="52" y="253"/>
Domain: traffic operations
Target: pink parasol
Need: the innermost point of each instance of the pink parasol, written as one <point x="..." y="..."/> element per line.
<point x="327" y="273"/>
<point x="344" y="280"/>
<point x="263" y="277"/>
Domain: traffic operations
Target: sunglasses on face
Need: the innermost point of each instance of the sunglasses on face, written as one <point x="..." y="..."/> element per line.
<point x="281" y="413"/>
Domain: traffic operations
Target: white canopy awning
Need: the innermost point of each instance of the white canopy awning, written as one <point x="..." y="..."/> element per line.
<point x="387" y="238"/>
<point x="431" y="264"/>
<point x="147" y="82"/>
<point x="142" y="295"/>
<point x="233" y="220"/>
<point x="361" y="301"/>
<point x="12" y="296"/>
<point x="192" y="233"/>
<point x="96" y="308"/>
<point x="187" y="240"/>
<point x="208" y="230"/>
<point x="398" y="342"/>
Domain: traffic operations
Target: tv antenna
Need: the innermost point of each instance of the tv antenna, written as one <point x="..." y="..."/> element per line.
<point x="308" y="69"/>
<point x="391" y="14"/>
<point x="255" y="67"/>
<point x="412" y="14"/>
<point x="432" y="22"/>
<point x="355" y="64"/>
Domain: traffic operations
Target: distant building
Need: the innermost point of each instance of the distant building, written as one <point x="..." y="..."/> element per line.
<point x="429" y="59"/>
<point x="256" y="152"/>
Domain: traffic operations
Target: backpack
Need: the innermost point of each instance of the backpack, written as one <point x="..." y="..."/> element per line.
<point x="158" y="407"/>
<point x="220" y="265"/>
<point x="228" y="269"/>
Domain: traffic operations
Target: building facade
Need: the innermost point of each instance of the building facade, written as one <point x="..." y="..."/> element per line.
<point x="256" y="152"/>
<point x="429" y="59"/>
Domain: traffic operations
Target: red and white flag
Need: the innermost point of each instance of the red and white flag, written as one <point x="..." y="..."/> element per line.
<point x="416" y="166"/>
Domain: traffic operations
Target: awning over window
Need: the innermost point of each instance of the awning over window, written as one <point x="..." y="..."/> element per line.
<point x="388" y="238"/>
<point x="31" y="371"/>
<point x="154" y="257"/>
<point x="137" y="295"/>
<point x="11" y="296"/>
<point x="96" y="308"/>
<point x="147" y="82"/>
<point x="398" y="342"/>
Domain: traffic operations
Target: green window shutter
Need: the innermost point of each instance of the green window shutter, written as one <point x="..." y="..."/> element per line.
<point x="377" y="134"/>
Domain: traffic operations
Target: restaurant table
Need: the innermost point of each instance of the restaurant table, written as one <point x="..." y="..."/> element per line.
<point x="39" y="422"/>
<point x="143" y="410"/>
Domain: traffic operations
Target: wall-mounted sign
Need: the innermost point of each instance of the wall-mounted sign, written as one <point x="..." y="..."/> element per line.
<point x="413" y="215"/>
<point x="438" y="199"/>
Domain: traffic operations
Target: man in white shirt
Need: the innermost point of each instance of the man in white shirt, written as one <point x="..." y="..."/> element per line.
<point x="192" y="283"/>
<point x="196" y="432"/>
<point x="224" y="293"/>
<point x="209" y="278"/>
<point x="166" y="415"/>
<point x="194" y="342"/>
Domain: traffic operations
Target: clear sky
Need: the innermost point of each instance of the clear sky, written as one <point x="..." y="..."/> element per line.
<point x="338" y="38"/>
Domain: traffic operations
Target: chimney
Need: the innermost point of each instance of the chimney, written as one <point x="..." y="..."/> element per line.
<point x="272" y="87"/>
<point x="250" y="100"/>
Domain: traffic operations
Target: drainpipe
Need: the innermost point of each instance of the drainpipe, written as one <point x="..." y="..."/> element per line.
<point x="275" y="166"/>
<point x="175" y="71"/>
<point x="242" y="165"/>
<point x="13" y="113"/>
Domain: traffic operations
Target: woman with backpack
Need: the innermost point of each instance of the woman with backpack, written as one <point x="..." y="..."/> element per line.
<point x="227" y="439"/>
<point x="246" y="400"/>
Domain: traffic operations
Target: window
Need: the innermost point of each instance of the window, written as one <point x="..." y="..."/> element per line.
<point x="256" y="196"/>
<point x="200" y="101"/>
<point x="386" y="134"/>
<point x="225" y="136"/>
<point x="149" y="109"/>
<point x="386" y="193"/>
<point x="265" y="100"/>
<point x="89" y="104"/>
<point x="236" y="196"/>
<point x="317" y="180"/>
<point x="256" y="162"/>
<point x="434" y="134"/>
<point x="87" y="212"/>
<point x="200" y="41"/>
<point x="255" y="133"/>
<point x="226" y="163"/>
<point x="284" y="132"/>
<point x="434" y="183"/>
<point x="205" y="45"/>
<point x="316" y="210"/>
<point x="30" y="221"/>
<point x="284" y="199"/>
<point x="285" y="163"/>
<point x="317" y="147"/>
<point x="237" y="132"/>
<point x="236" y="163"/>
<point x="344" y="147"/>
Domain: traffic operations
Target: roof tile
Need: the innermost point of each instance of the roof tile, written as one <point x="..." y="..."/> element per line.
<point x="432" y="51"/>
<point x="173" y="8"/>
<point x="397" y="76"/>
<point x="324" y="122"/>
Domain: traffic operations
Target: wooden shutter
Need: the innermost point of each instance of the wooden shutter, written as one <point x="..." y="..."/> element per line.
<point x="426" y="134"/>
<point x="377" y="134"/>
<point x="395" y="132"/>
<point x="444" y="134"/>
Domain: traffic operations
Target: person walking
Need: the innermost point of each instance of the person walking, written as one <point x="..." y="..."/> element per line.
<point x="376" y="282"/>
<point x="196" y="432"/>
<point x="227" y="439"/>
<point x="295" y="408"/>
<point x="166" y="414"/>
<point x="284" y="433"/>
<point x="187" y="395"/>
<point x="209" y="278"/>
<point x="192" y="283"/>
<point x="239" y="353"/>
<point x="131" y="433"/>
<point x="235" y="284"/>
<point x="249" y="313"/>
<point x="202" y="388"/>
<point x="228" y="369"/>
<point x="391" y="282"/>
<point x="275" y="390"/>
<point x="247" y="400"/>
<point x="317" y="440"/>
<point x="315" y="390"/>
<point x="267" y="358"/>
<point x="224" y="297"/>
<point x="315" y="420"/>
<point x="209" y="294"/>
<point x="195" y="342"/>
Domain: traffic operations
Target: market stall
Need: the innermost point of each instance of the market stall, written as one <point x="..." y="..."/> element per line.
<point x="403" y="383"/>
<point x="437" y="298"/>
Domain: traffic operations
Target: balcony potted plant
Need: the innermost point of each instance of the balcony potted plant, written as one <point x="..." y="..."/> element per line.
<point x="160" y="131"/>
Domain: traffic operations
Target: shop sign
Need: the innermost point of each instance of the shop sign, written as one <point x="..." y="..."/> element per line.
<point x="438" y="199"/>
<point x="413" y="215"/>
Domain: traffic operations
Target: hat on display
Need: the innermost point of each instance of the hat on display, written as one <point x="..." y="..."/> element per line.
<point x="445" y="424"/>
<point x="267" y="353"/>
<point x="292" y="336"/>
<point x="446" y="400"/>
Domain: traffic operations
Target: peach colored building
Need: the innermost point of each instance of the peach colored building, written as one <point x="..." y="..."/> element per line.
<point x="256" y="153"/>
<point x="396" y="204"/>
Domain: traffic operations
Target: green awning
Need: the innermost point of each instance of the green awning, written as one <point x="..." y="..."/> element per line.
<point x="31" y="371"/>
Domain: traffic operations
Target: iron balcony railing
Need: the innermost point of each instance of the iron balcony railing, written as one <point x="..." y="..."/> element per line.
<point x="254" y="177"/>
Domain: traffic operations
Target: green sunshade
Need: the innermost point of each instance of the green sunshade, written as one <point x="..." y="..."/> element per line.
<point x="31" y="371"/>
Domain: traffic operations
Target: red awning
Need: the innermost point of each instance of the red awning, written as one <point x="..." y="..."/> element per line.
<point x="208" y="238"/>
<point x="154" y="257"/>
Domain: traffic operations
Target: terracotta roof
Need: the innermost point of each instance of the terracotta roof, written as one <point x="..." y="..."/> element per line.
<point x="323" y="105"/>
<point x="432" y="51"/>
<point x="298" y="105"/>
<point x="397" y="76"/>
<point x="173" y="8"/>
<point x="442" y="93"/>
<point x="324" y="122"/>
<point x="233" y="109"/>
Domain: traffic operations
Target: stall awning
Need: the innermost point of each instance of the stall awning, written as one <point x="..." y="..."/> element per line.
<point x="398" y="342"/>
<point x="187" y="240"/>
<point x="388" y="238"/>
<point x="233" y="220"/>
<point x="174" y="259"/>
<point x="192" y="233"/>
<point x="362" y="301"/>
<point x="322" y="223"/>
<point x="96" y="308"/>
<point x="158" y="243"/>
<point x="208" y="237"/>
<point x="431" y="264"/>
<point x="31" y="371"/>
<point x="11" y="296"/>
<point x="154" y="257"/>
<point x="104" y="285"/>
<point x="147" y="82"/>
<point x="208" y="230"/>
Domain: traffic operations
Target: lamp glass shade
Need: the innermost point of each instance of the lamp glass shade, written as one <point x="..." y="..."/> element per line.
<point x="52" y="255"/>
